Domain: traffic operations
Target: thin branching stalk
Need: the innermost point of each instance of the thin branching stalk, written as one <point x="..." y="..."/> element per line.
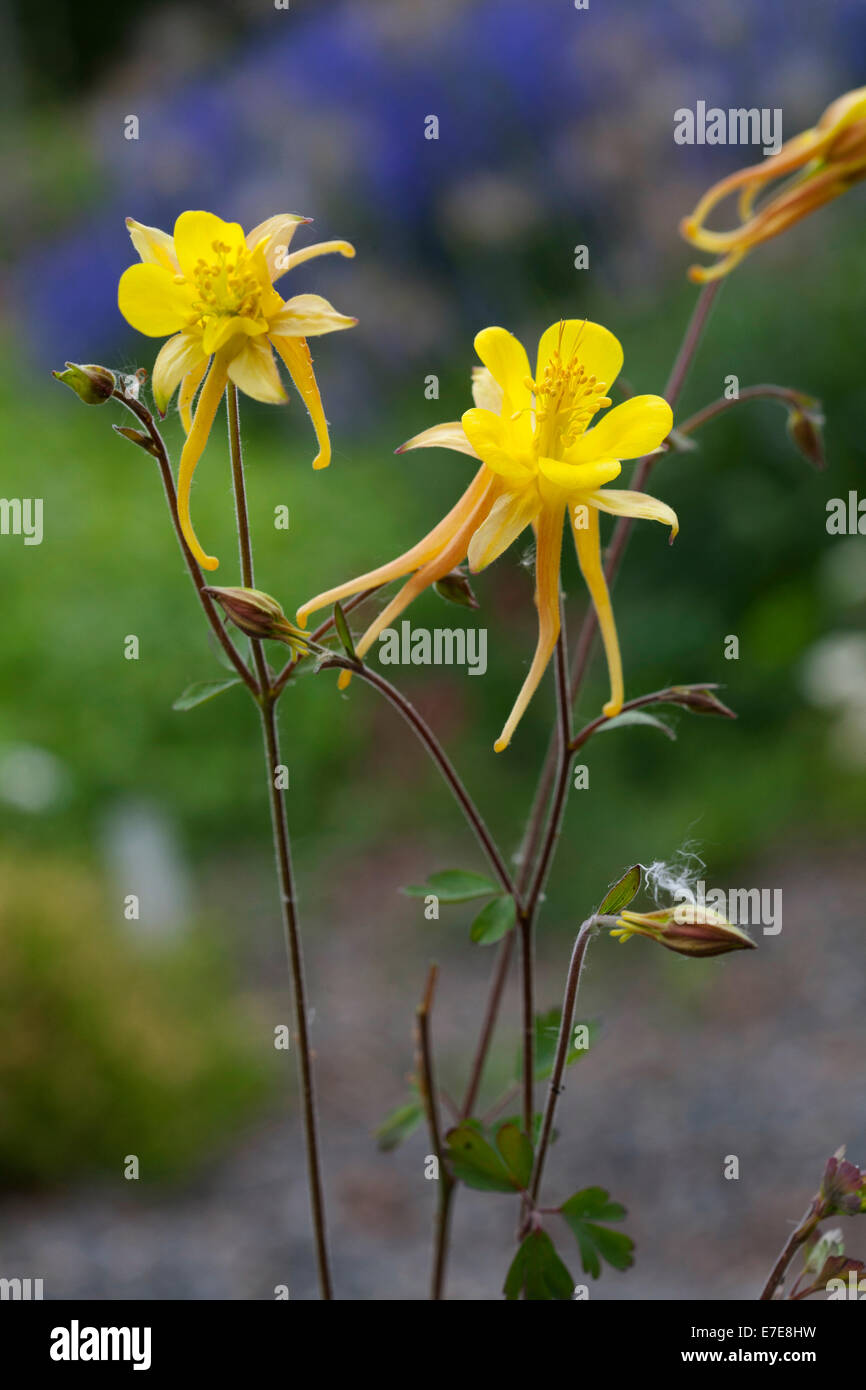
<point x="429" y="1095"/>
<point x="766" y="392"/>
<point x="420" y="726"/>
<point x="283" y="858"/>
<point x="798" y="1237"/>
<point x="143" y="415"/>
<point x="555" y="1089"/>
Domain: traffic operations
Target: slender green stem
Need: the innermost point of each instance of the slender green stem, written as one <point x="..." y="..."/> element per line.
<point x="296" y="961"/>
<point x="429" y="1094"/>
<point x="765" y="392"/>
<point x="243" y="523"/>
<point x="798" y="1237"/>
<point x="280" y="682"/>
<point x="419" y="725"/>
<point x="143" y="415"/>
<point x="283" y="857"/>
<point x="556" y="1088"/>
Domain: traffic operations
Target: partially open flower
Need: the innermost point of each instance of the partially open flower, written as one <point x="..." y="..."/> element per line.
<point x="213" y="289"/>
<point x="687" y="928"/>
<point x="816" y="167"/>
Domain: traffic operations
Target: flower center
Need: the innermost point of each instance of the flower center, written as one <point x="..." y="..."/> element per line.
<point x="566" y="399"/>
<point x="226" y="286"/>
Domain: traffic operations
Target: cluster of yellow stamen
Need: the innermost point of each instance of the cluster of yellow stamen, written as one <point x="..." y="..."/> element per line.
<point x="566" y="399"/>
<point x="226" y="287"/>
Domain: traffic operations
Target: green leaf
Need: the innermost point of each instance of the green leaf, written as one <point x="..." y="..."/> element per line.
<point x="516" y="1149"/>
<point x="582" y="1212"/>
<point x="622" y="892"/>
<point x="546" y="1038"/>
<point x="342" y="629"/>
<point x="454" y="886"/>
<point x="537" y="1120"/>
<point x="636" y="716"/>
<point x="201" y="691"/>
<point x="399" y="1125"/>
<point x="476" y="1162"/>
<point x="537" y="1273"/>
<point x="493" y="921"/>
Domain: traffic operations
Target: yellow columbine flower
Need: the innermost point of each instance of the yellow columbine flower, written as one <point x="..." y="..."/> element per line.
<point x="538" y="460"/>
<point x="213" y="288"/>
<point x="823" y="163"/>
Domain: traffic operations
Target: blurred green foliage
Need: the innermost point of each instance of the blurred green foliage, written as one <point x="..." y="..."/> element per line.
<point x="110" y="1047"/>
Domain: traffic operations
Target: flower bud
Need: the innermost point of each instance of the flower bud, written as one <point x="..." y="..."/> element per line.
<point x="455" y="588"/>
<point x="690" y="929"/>
<point x="93" y="384"/>
<point x="258" y="615"/>
<point x="806" y="434"/>
<point x="843" y="1187"/>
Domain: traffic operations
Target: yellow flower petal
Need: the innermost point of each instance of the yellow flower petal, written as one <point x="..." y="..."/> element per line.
<point x="219" y="330"/>
<point x="494" y="442"/>
<point x="153" y="246"/>
<point x="254" y="371"/>
<point x="597" y="349"/>
<point x="629" y="431"/>
<point x="588" y="546"/>
<point x="175" y="359"/>
<point x="637" y="504"/>
<point x="307" y="315"/>
<point x="150" y="298"/>
<point x="548" y="532"/>
<point x="195" y="234"/>
<point x="298" y="359"/>
<point x="575" y="477"/>
<point x="486" y="391"/>
<point x="448" y="436"/>
<point x="188" y="387"/>
<point x="413" y="559"/>
<point x="505" y="358"/>
<point x="208" y="403"/>
<point x="469" y="514"/>
<point x="510" y="514"/>
<point x="276" y="233"/>
<point x="320" y="248"/>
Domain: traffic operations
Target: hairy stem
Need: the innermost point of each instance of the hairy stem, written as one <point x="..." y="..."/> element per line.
<point x="798" y="1237"/>
<point x="301" y="1014"/>
<point x="283" y="857"/>
<point x="427" y="1084"/>
<point x="765" y="392"/>
<point x="420" y="726"/>
<point x="556" y="1087"/>
<point x="143" y="415"/>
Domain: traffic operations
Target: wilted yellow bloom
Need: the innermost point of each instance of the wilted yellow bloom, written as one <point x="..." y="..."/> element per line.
<point x="822" y="163"/>
<point x="539" y="461"/>
<point x="213" y="288"/>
